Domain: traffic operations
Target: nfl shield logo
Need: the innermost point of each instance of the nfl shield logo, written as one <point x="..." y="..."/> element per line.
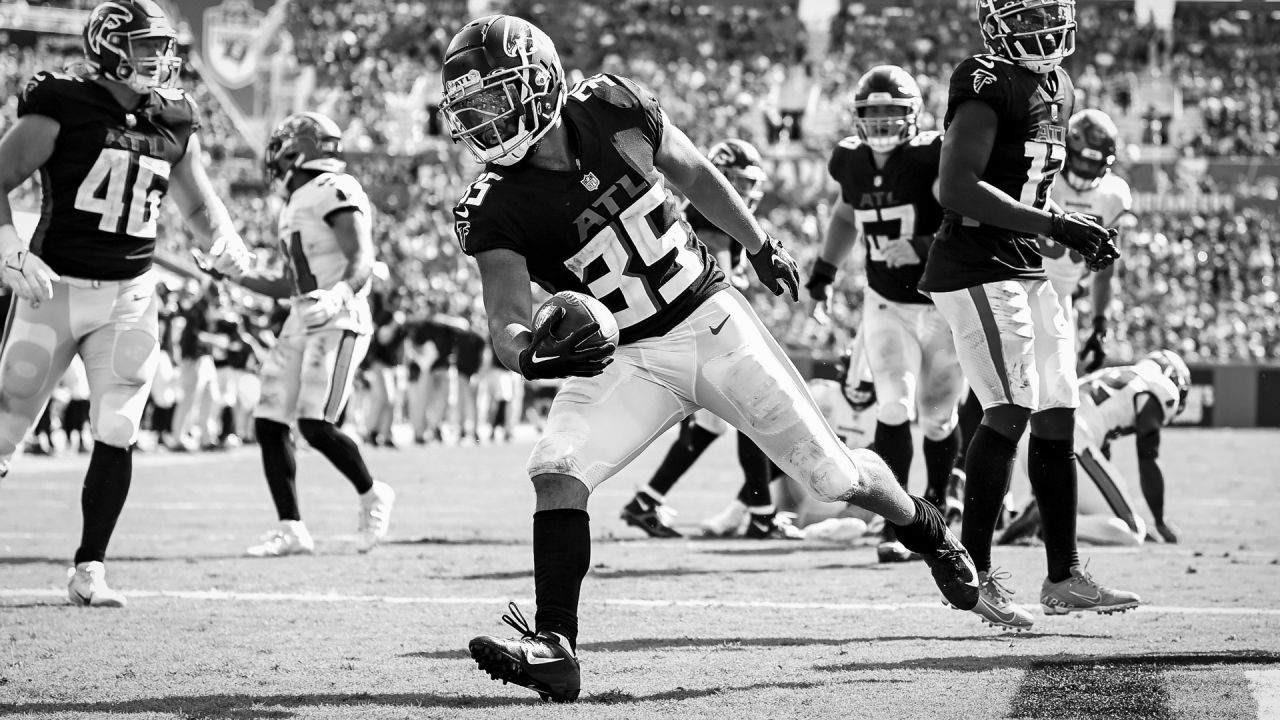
<point x="590" y="182"/>
<point x="232" y="42"/>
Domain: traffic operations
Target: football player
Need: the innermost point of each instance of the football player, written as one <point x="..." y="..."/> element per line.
<point x="574" y="196"/>
<point x="888" y="175"/>
<point x="1087" y="185"/>
<point x="1005" y="142"/>
<point x="1139" y="400"/>
<point x="326" y="236"/>
<point x="741" y="164"/>
<point x="110" y="140"/>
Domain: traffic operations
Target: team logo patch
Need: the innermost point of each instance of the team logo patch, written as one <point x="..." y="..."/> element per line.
<point x="462" y="228"/>
<point x="590" y="182"/>
<point x="518" y="40"/>
<point x="106" y="19"/>
<point x="981" y="79"/>
<point x="234" y="38"/>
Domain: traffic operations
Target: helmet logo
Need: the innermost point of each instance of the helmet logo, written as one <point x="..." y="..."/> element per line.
<point x="518" y="41"/>
<point x="981" y="79"/>
<point x="110" y="16"/>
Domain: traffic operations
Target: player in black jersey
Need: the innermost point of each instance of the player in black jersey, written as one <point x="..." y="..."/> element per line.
<point x="574" y="197"/>
<point x="888" y="174"/>
<point x="742" y="166"/>
<point x="1005" y="142"/>
<point x="110" y="141"/>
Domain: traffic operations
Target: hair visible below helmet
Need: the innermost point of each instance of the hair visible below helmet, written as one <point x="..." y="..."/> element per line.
<point x="1091" y="147"/>
<point x="303" y="141"/>
<point x="503" y="88"/>
<point x="110" y="36"/>
<point x="1036" y="34"/>
<point x="742" y="164"/>
<point x="1173" y="367"/>
<point x="892" y="87"/>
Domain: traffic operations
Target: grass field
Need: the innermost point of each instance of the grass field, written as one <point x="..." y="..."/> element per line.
<point x="670" y="629"/>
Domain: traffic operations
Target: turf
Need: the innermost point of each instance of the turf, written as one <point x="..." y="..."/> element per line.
<point x="680" y="628"/>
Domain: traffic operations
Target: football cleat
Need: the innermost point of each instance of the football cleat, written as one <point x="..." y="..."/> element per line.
<point x="651" y="516"/>
<point x="87" y="587"/>
<point x="726" y="523"/>
<point x="995" y="603"/>
<point x="291" y="538"/>
<point x="892" y="551"/>
<point x="954" y="572"/>
<point x="772" y="526"/>
<point x="1081" y="593"/>
<point x="539" y="661"/>
<point x="375" y="515"/>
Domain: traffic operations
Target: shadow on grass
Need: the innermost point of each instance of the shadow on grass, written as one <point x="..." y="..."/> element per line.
<point x="253" y="707"/>
<point x="974" y="663"/>
<point x="623" y="574"/>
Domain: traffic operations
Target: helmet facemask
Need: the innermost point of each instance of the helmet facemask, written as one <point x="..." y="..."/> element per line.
<point x="1036" y="34"/>
<point x="500" y="117"/>
<point x="1086" y="167"/>
<point x="885" y="123"/>
<point x="151" y="63"/>
<point x="748" y="182"/>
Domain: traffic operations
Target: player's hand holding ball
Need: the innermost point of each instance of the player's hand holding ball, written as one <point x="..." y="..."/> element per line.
<point x="574" y="335"/>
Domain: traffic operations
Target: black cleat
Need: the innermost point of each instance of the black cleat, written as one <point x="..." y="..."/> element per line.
<point x="652" y="517"/>
<point x="772" y="526"/>
<point x="537" y="661"/>
<point x="954" y="572"/>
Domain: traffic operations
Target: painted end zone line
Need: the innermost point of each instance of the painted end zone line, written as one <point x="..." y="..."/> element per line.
<point x="225" y="596"/>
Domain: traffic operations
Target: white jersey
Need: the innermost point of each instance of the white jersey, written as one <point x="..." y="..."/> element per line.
<point x="315" y="260"/>
<point x="1107" y="202"/>
<point x="1109" y="399"/>
<point x="856" y="429"/>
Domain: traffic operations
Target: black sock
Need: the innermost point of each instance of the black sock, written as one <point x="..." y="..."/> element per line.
<point x="1051" y="465"/>
<point x="756" y="472"/>
<point x="561" y="558"/>
<point x="106" y="485"/>
<point x="228" y="421"/>
<point x="162" y="420"/>
<point x="693" y="441"/>
<point x="893" y="444"/>
<point x="278" y="464"/>
<point x="939" y="458"/>
<point x="926" y="530"/>
<point x="989" y="467"/>
<point x="339" y="449"/>
<point x="970" y="418"/>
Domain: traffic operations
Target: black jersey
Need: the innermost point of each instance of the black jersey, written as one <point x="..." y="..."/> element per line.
<point x="109" y="170"/>
<point x="891" y="203"/>
<point x="608" y="229"/>
<point x="1030" y="147"/>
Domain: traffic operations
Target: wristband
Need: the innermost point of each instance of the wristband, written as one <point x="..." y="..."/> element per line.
<point x="823" y="272"/>
<point x="1100" y="323"/>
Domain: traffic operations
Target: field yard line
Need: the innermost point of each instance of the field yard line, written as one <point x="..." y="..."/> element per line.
<point x="1266" y="691"/>
<point x="224" y="595"/>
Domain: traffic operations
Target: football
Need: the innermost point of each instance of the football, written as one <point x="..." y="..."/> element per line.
<point x="579" y="310"/>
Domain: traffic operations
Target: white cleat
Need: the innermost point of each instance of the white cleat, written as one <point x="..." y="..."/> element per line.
<point x="87" y="587"/>
<point x="726" y="523"/>
<point x="375" y="515"/>
<point x="291" y="538"/>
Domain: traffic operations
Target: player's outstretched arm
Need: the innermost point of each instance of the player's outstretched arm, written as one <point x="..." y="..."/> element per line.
<point x="1147" y="429"/>
<point x="508" y="303"/>
<point x="24" y="149"/>
<point x="205" y="213"/>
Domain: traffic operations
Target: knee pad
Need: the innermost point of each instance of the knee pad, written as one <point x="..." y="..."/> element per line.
<point x="133" y="359"/>
<point x="894" y="412"/>
<point x="115" y="429"/>
<point x="937" y="423"/>
<point x="26" y="368"/>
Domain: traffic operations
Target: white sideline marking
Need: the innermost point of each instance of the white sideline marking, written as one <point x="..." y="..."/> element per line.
<point x="1266" y="691"/>
<point x="224" y="595"/>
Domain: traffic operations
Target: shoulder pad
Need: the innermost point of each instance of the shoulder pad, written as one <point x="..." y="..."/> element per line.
<point x="49" y="82"/>
<point x="174" y="94"/>
<point x="613" y="89"/>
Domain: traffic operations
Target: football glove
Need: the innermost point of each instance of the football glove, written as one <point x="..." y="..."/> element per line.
<point x="577" y="355"/>
<point x="228" y="257"/>
<point x="1108" y="252"/>
<point x="320" y="306"/>
<point x="860" y="394"/>
<point x="1094" y="352"/>
<point x="821" y="277"/>
<point x="776" y="268"/>
<point x="1079" y="232"/>
<point x="26" y="274"/>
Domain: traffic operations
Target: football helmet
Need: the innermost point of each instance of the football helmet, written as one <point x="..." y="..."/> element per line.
<point x="1036" y="34"/>
<point x="741" y="163"/>
<point x="303" y="141"/>
<point x="1173" y="367"/>
<point x="886" y="103"/>
<point x="1091" y="148"/>
<point x="132" y="42"/>
<point x="503" y="88"/>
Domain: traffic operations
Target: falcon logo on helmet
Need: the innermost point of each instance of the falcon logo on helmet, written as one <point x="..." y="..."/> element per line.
<point x="132" y="42"/>
<point x="518" y="96"/>
<point x="742" y="164"/>
<point x="1036" y="34"/>
<point x="1092" y="138"/>
<point x="887" y="104"/>
<point x="303" y="141"/>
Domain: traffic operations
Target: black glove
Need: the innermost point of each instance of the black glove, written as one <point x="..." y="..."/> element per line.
<point x="859" y="394"/>
<point x="1107" y="253"/>
<point x="776" y="268"/>
<point x="549" y="357"/>
<point x="686" y="436"/>
<point x="1079" y="232"/>
<point x="821" y="277"/>
<point x="1093" y="352"/>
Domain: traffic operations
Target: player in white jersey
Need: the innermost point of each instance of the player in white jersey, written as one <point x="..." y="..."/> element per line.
<point x="326" y="235"/>
<point x="1087" y="185"/>
<point x="1139" y="400"/>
